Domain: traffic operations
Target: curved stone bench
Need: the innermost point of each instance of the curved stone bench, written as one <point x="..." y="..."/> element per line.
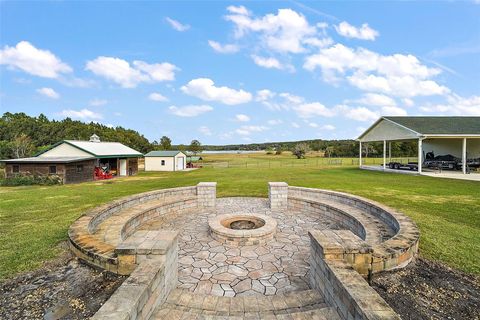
<point x="94" y="236"/>
<point x="388" y="254"/>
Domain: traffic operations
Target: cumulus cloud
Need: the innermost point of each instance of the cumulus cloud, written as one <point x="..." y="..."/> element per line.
<point x="242" y="117"/>
<point x="271" y="63"/>
<point x="97" y="102"/>
<point x="247" y="130"/>
<point x="83" y="114"/>
<point x="358" y="113"/>
<point x="308" y="110"/>
<point x="48" y="92"/>
<point x="38" y="62"/>
<point x="364" y="32"/>
<point x="455" y="105"/>
<point x="264" y="95"/>
<point x="155" y="96"/>
<point x="328" y="127"/>
<point x="205" y="89"/>
<point x="283" y="32"/>
<point x="205" y="130"/>
<point x="393" y="111"/>
<point x="275" y="122"/>
<point x="130" y="75"/>
<point x="177" y="25"/>
<point x="223" y="48"/>
<point x="189" y="111"/>
<point x="377" y="100"/>
<point x="398" y="74"/>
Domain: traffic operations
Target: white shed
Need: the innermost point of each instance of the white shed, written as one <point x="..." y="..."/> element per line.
<point x="165" y="161"/>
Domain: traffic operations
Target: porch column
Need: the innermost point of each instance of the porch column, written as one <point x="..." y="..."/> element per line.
<point x="389" y="151"/>
<point x="360" y="155"/>
<point x="420" y="155"/>
<point x="464" y="155"/>
<point x="384" y="154"/>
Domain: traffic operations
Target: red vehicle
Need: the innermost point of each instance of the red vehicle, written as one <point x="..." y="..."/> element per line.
<point x="102" y="174"/>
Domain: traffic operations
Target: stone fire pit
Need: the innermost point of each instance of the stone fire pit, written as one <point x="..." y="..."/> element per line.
<point x="242" y="229"/>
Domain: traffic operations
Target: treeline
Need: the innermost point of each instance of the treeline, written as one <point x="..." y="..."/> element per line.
<point x="23" y="136"/>
<point x="331" y="148"/>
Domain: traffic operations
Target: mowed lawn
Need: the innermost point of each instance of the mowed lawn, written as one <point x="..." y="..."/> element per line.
<point x="35" y="219"/>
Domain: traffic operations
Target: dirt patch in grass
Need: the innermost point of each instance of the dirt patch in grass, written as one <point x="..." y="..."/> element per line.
<point x="63" y="289"/>
<point x="430" y="290"/>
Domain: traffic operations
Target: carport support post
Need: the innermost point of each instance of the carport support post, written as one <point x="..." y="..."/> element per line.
<point x="420" y="155"/>
<point x="464" y="155"/>
<point x="360" y="155"/>
<point x="384" y="154"/>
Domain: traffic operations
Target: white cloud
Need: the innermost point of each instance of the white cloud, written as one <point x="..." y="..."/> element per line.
<point x="205" y="89"/>
<point x="376" y="100"/>
<point x="295" y="125"/>
<point x="38" y="62"/>
<point x="48" y="92"/>
<point x="223" y="48"/>
<point x="308" y="110"/>
<point x="358" y="114"/>
<point x="155" y="96"/>
<point x="364" y="32"/>
<point x="275" y="122"/>
<point x="242" y="117"/>
<point x="291" y="98"/>
<point x="83" y="114"/>
<point x="398" y="74"/>
<point x="328" y="127"/>
<point x="97" y="102"/>
<point x="312" y="124"/>
<point x="189" y="111"/>
<point x="393" y="111"/>
<point x="408" y="102"/>
<point x="268" y="63"/>
<point x="205" y="130"/>
<point x="455" y="105"/>
<point x="238" y="10"/>
<point x="264" y="95"/>
<point x="129" y="76"/>
<point x="247" y="130"/>
<point x="282" y="32"/>
<point x="177" y="25"/>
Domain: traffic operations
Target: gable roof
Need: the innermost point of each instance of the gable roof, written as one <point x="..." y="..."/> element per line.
<point x="439" y="125"/>
<point x="165" y="153"/>
<point x="100" y="149"/>
<point x="432" y="125"/>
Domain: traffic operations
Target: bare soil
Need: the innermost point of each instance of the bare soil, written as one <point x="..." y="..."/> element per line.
<point x="430" y="290"/>
<point x="62" y="289"/>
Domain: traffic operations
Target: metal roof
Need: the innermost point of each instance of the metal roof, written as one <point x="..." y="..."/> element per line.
<point x="166" y="153"/>
<point x="433" y="125"/>
<point x="439" y="125"/>
<point x="47" y="160"/>
<point x="101" y="149"/>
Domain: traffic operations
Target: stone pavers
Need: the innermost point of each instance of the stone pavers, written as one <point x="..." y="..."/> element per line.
<point x="209" y="267"/>
<point x="183" y="304"/>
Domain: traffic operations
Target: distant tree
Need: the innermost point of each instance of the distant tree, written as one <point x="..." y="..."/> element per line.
<point x="182" y="147"/>
<point x="269" y="150"/>
<point x="279" y="150"/>
<point x="22" y="146"/>
<point x="195" y="147"/>
<point x="329" y="151"/>
<point x="300" y="150"/>
<point x="165" y="143"/>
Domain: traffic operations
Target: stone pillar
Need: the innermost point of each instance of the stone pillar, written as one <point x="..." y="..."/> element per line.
<point x="206" y="194"/>
<point x="278" y="195"/>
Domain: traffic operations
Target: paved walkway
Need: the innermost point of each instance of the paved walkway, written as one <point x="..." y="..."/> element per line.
<point x="208" y="267"/>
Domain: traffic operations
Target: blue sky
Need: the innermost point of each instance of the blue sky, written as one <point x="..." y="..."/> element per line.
<point x="240" y="72"/>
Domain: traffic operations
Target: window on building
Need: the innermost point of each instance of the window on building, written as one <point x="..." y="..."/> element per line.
<point x="163" y="162"/>
<point x="53" y="169"/>
<point x="79" y="168"/>
<point x="16" y="169"/>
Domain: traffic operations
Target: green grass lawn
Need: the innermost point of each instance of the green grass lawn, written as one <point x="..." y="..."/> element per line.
<point x="34" y="219"/>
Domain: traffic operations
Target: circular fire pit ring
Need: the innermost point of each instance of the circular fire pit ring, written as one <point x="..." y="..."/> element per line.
<point x="242" y="229"/>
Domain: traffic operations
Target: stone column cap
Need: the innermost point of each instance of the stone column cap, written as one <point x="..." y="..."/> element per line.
<point x="149" y="242"/>
<point x="207" y="184"/>
<point x="278" y="184"/>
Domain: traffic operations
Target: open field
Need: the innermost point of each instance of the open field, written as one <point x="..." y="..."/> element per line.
<point x="34" y="219"/>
